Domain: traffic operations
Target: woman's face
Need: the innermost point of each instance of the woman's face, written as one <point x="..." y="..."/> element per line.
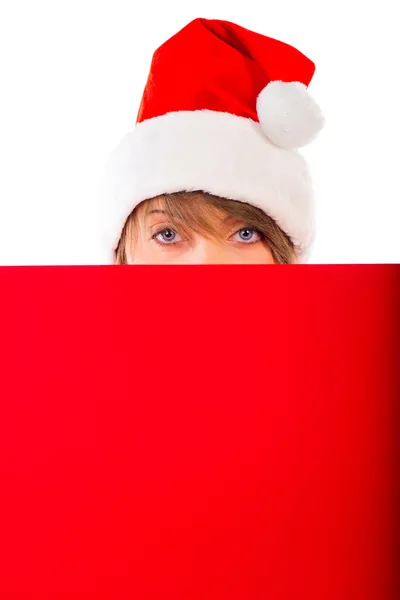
<point x="158" y="240"/>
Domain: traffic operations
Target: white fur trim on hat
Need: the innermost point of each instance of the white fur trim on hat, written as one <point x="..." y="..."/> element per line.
<point x="288" y="115"/>
<point x="215" y="152"/>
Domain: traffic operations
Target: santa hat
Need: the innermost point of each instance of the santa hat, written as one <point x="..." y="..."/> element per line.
<point x="223" y="111"/>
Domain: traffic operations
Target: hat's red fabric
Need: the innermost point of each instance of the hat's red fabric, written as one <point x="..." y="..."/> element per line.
<point x="221" y="66"/>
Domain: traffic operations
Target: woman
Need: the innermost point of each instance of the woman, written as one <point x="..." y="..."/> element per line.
<point x="211" y="172"/>
<point x="199" y="228"/>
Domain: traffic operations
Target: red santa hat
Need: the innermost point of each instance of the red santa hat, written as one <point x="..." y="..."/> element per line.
<point x="223" y="111"/>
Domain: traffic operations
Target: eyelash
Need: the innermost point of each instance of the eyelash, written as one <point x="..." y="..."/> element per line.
<point x="155" y="235"/>
<point x="256" y="231"/>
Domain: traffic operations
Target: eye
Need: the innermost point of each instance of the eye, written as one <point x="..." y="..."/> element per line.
<point x="166" y="236"/>
<point x="247" y="235"/>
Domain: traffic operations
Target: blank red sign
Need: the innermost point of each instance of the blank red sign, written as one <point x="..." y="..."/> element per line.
<point x="203" y="432"/>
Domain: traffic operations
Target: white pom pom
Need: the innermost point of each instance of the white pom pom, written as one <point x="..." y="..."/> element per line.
<point x="288" y="115"/>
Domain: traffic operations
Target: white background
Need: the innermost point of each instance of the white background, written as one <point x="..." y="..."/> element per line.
<point x="71" y="78"/>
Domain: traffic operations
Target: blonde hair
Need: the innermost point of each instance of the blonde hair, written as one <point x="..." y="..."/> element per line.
<point x="197" y="210"/>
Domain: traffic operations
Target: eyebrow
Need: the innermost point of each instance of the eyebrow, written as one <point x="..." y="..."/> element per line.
<point x="233" y="218"/>
<point x="156" y="210"/>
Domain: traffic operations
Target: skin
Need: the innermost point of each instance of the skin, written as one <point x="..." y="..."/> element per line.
<point x="159" y="241"/>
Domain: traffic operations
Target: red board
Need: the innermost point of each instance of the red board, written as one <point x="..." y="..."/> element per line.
<point x="197" y="432"/>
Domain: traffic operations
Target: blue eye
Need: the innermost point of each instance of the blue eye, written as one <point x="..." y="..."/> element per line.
<point x="168" y="235"/>
<point x="165" y="236"/>
<point x="247" y="234"/>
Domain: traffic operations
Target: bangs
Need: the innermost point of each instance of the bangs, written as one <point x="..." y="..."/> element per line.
<point x="202" y="212"/>
<point x="193" y="210"/>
